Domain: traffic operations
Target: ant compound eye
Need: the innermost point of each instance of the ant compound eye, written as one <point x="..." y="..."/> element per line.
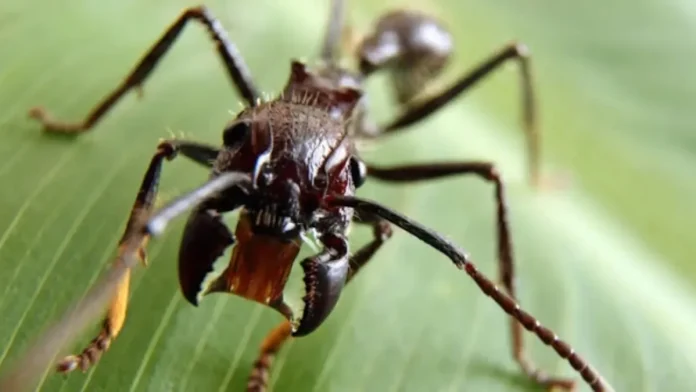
<point x="359" y="171"/>
<point x="235" y="133"/>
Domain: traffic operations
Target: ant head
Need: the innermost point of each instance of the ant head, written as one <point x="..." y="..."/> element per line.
<point x="297" y="150"/>
<point x="288" y="193"/>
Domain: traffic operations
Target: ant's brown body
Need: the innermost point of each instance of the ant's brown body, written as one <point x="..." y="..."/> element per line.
<point x="291" y="166"/>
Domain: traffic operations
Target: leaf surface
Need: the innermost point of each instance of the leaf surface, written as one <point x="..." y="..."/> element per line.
<point x="607" y="262"/>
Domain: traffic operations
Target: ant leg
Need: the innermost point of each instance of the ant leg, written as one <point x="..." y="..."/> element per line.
<point x="506" y="265"/>
<point x="29" y="369"/>
<point x="381" y="232"/>
<point x="334" y="30"/>
<point x="518" y="52"/>
<point x="461" y="260"/>
<point x="236" y="68"/>
<point x="200" y="153"/>
<point x="274" y="341"/>
<point x="144" y="201"/>
<point x="258" y="379"/>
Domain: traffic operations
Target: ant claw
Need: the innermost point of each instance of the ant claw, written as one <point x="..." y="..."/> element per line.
<point x="68" y="364"/>
<point x="37" y="113"/>
<point x="51" y="125"/>
<point x="40" y="114"/>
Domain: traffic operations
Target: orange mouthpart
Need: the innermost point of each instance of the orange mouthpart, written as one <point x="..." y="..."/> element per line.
<point x="260" y="265"/>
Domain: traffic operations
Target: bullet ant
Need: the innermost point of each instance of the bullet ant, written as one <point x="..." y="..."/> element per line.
<point x="290" y="166"/>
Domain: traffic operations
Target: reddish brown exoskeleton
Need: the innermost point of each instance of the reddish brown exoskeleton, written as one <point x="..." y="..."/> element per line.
<point x="290" y="166"/>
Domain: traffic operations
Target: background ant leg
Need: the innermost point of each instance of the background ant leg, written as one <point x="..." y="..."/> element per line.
<point x="332" y="36"/>
<point x="488" y="172"/>
<point x="144" y="201"/>
<point x="233" y="61"/>
<point x="420" y="110"/>
<point x="461" y="260"/>
<point x="258" y="379"/>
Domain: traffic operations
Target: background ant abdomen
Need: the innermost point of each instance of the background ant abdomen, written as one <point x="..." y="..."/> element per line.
<point x="412" y="46"/>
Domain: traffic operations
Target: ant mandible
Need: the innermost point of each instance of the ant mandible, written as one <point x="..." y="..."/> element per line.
<point x="290" y="166"/>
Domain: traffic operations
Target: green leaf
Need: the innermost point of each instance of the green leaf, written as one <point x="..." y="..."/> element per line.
<point x="607" y="263"/>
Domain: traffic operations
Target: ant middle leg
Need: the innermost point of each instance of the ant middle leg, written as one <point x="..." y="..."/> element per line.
<point x="415" y="57"/>
<point x="506" y="265"/>
<point x="274" y="341"/>
<point x="234" y="64"/>
<point x="144" y="202"/>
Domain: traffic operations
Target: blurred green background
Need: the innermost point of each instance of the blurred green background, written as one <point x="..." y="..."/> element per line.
<point x="607" y="262"/>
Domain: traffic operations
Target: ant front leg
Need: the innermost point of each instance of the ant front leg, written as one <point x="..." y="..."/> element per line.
<point x="461" y="260"/>
<point x="274" y="341"/>
<point x="381" y="232"/>
<point x="234" y="64"/>
<point x="506" y="264"/>
<point x="116" y="314"/>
